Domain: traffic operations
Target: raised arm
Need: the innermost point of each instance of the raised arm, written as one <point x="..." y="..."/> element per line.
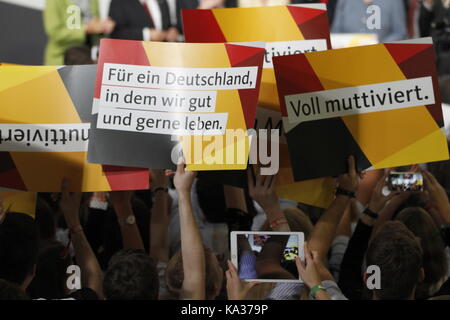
<point x="192" y="250"/>
<point x="159" y="246"/>
<point x="350" y="278"/>
<point x="309" y="271"/>
<point x="91" y="274"/>
<point x="131" y="237"/>
<point x="438" y="196"/>
<point x="262" y="190"/>
<point x="325" y="229"/>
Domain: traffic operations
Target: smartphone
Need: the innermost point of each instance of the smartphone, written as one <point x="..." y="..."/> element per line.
<point x="265" y="256"/>
<point x="405" y="181"/>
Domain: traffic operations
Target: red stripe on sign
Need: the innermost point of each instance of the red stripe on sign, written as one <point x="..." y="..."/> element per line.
<point x="119" y="51"/>
<point x="294" y="75"/>
<point x="402" y="51"/>
<point x="126" y="178"/>
<point x="201" y="26"/>
<point x="302" y="15"/>
<point x="246" y="57"/>
<point x="421" y="64"/>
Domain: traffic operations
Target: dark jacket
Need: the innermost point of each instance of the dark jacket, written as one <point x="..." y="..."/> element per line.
<point x="131" y="18"/>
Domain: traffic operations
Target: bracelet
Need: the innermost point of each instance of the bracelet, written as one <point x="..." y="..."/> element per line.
<point x="77" y="229"/>
<point x="343" y="192"/>
<point x="160" y="189"/>
<point x="277" y="222"/>
<point x="313" y="291"/>
<point x="371" y="213"/>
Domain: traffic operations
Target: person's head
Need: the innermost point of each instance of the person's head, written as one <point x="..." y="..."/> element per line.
<point x="11" y="291"/>
<point x="51" y="272"/>
<point x="214" y="275"/>
<point x="434" y="258"/>
<point x="18" y="249"/>
<point x="78" y="56"/>
<point x="397" y="252"/>
<point x="131" y="275"/>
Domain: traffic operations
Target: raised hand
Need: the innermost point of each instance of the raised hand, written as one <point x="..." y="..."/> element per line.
<point x="236" y="290"/>
<point x="262" y="189"/>
<point x="69" y="204"/>
<point x="308" y="270"/>
<point x="349" y="181"/>
<point x="437" y="195"/>
<point x="121" y="201"/>
<point x="184" y="179"/>
<point x="378" y="200"/>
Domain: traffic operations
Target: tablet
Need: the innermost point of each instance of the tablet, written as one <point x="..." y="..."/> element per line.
<point x="267" y="256"/>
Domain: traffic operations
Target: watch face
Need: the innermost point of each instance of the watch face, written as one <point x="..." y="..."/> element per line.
<point x="131" y="220"/>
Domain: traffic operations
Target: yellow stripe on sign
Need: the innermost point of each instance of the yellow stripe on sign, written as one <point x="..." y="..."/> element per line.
<point x="93" y="177"/>
<point x="432" y="146"/>
<point x="42" y="99"/>
<point x="228" y="101"/>
<point x="187" y="55"/>
<point x="268" y="94"/>
<point x="258" y="24"/>
<point x="380" y="135"/>
<point x="71" y="165"/>
<point x="18" y="201"/>
<point x="17" y="75"/>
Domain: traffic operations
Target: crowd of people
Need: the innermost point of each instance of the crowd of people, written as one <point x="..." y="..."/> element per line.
<point x="161" y="20"/>
<point x="173" y="241"/>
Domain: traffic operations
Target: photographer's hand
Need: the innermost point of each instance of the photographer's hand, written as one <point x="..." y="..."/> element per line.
<point x="438" y="195"/>
<point x="236" y="290"/>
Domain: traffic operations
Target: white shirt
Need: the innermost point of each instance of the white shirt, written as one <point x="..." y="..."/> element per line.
<point x="173" y="11"/>
<point x="155" y="11"/>
<point x="446" y="112"/>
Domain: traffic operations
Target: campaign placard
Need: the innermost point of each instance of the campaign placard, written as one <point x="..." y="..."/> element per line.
<point x="154" y="100"/>
<point x="44" y="132"/>
<point x="287" y="30"/>
<point x="18" y="201"/>
<point x="380" y="103"/>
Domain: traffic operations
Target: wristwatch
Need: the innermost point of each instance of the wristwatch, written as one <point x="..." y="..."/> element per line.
<point x="130" y="220"/>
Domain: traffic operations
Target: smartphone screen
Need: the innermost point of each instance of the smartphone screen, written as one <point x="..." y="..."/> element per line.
<point x="405" y="181"/>
<point x="268" y="256"/>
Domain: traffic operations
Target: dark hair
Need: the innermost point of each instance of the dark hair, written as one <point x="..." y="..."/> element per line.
<point x="398" y="254"/>
<point x="11" y="291"/>
<point x="78" y="56"/>
<point x="18" y="247"/>
<point x="50" y="279"/>
<point x="434" y="258"/>
<point x="131" y="275"/>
